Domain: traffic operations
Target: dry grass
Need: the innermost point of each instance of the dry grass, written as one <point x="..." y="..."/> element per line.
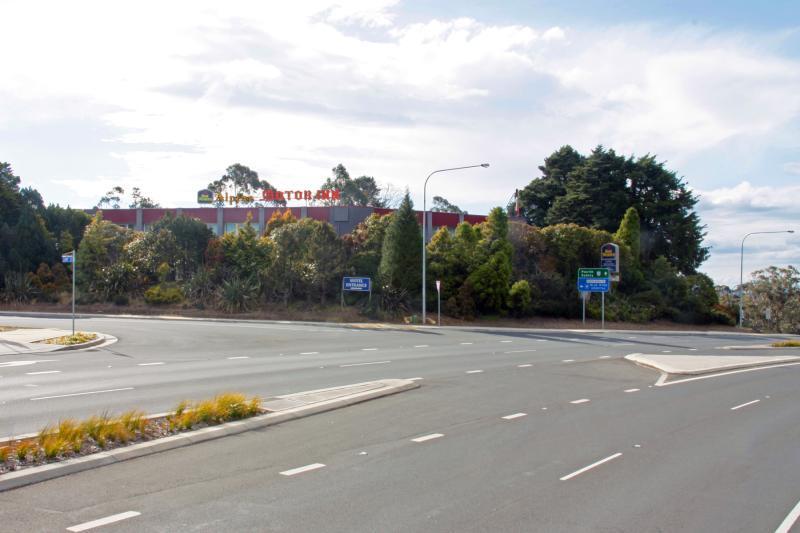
<point x="222" y="408"/>
<point x="5" y="453"/>
<point x="68" y="340"/>
<point x="786" y="344"/>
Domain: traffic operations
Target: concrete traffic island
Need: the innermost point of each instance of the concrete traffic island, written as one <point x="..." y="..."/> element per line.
<point x="20" y="341"/>
<point x="705" y="364"/>
<point x="278" y="409"/>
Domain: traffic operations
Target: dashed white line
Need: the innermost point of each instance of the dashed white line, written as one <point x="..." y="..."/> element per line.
<point x="473" y="371"/>
<point x="506" y="341"/>
<point x="666" y="351"/>
<point x="515" y="415"/>
<point x="604" y="357"/>
<point x="692" y="349"/>
<point x="428" y="437"/>
<point x="239" y="357"/>
<point x="582" y="400"/>
<point x="526" y="365"/>
<point x="568" y="360"/>
<point x="80" y="394"/>
<point x="790" y="519"/>
<point x="593" y="465"/>
<point x="149" y="364"/>
<point x="465" y="343"/>
<point x="43" y="372"/>
<point x="744" y="405"/>
<point x="421" y="346"/>
<point x="103" y="521"/>
<point x="520" y="351"/>
<point x="309" y="353"/>
<point x="541" y="340"/>
<point x="369" y="363"/>
<point x="631" y="390"/>
<point x="368" y="349"/>
<point x="300" y="470"/>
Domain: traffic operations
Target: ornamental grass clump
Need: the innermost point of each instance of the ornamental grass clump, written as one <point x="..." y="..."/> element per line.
<point x="5" y="453"/>
<point x="222" y="408"/>
<point x="24" y="449"/>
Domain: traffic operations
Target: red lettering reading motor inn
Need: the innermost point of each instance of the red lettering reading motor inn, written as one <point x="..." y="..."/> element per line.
<point x="272" y="195"/>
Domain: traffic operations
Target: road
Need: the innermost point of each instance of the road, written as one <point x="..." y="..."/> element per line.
<point x="512" y="430"/>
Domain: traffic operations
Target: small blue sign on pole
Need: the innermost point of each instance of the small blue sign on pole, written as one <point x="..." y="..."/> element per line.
<point x="357" y="284"/>
<point x="67" y="258"/>
<point x="594" y="284"/>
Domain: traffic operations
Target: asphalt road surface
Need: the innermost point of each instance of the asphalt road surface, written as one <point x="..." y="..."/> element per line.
<point x="512" y="430"/>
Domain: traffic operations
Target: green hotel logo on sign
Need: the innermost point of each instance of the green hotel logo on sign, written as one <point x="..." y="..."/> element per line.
<point x="205" y="197"/>
<point x="592" y="272"/>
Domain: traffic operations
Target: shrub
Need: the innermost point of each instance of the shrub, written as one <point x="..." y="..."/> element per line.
<point x="5" y="452"/>
<point x="238" y="294"/>
<point x="163" y="294"/>
<point x="519" y="298"/>
<point x="121" y="299"/>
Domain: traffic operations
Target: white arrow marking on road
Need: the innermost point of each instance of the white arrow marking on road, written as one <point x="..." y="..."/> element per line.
<point x="582" y="400"/>
<point x="300" y="470"/>
<point x="43" y="372"/>
<point x="80" y="394"/>
<point x="428" y="437"/>
<point x="515" y="415"/>
<point x="25" y="363"/>
<point x="103" y="521"/>
<point x="362" y="364"/>
<point x="586" y="468"/>
<point x="744" y="405"/>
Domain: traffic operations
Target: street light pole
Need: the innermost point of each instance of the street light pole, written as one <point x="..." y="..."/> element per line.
<point x="425" y="224"/>
<point x="741" y="270"/>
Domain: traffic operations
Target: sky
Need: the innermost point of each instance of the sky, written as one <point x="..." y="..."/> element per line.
<point x="165" y="95"/>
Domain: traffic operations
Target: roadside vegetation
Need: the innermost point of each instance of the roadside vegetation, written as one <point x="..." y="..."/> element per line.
<point x="507" y="267"/>
<point x="786" y="344"/>
<point x="73" y="438"/>
<point x="68" y="340"/>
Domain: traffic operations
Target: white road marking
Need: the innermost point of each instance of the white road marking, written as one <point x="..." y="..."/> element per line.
<point x="544" y="408"/>
<point x="515" y="415"/>
<point x="568" y="361"/>
<point x="541" y="340"/>
<point x="474" y="371"/>
<point x="415" y="379"/>
<point x="593" y="465"/>
<point x="31" y="385"/>
<point x="582" y="400"/>
<point x="520" y="351"/>
<point x="103" y="521"/>
<point x="309" y="353"/>
<point x="604" y="357"/>
<point x="661" y="383"/>
<point x="631" y="390"/>
<point x="790" y="519"/>
<point x="80" y="394"/>
<point x="362" y="364"/>
<point x="464" y="343"/>
<point x="692" y="349"/>
<point x="150" y="364"/>
<point x="428" y="437"/>
<point x="25" y="363"/>
<point x="421" y="346"/>
<point x="43" y="372"/>
<point x="300" y="470"/>
<point x="526" y="365"/>
<point x="369" y="349"/>
<point x="666" y="351"/>
<point x="506" y="341"/>
<point x="744" y="405"/>
<point x="239" y="357"/>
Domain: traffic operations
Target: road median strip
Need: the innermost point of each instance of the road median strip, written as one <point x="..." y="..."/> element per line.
<point x="278" y="409"/>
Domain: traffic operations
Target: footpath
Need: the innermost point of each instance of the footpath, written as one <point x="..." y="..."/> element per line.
<point x="23" y="341"/>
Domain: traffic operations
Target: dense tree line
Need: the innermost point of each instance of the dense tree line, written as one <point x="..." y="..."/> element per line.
<point x="499" y="267"/>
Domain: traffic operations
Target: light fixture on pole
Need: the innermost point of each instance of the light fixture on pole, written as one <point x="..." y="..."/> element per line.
<point x="741" y="270"/>
<point x="425" y="223"/>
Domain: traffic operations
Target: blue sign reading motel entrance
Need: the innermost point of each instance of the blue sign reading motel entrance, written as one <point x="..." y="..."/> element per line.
<point x="357" y="284"/>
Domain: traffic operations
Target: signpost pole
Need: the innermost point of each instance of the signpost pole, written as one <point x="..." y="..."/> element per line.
<point x="74" y="272"/>
<point x="603" y="310"/>
<point x="583" y="299"/>
<point x="438" y="303"/>
<point x="342" y="294"/>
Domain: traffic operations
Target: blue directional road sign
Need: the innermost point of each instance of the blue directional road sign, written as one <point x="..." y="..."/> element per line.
<point x="357" y="284"/>
<point x="594" y="284"/>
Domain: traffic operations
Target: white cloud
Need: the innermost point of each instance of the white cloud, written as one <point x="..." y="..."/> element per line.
<point x="792" y="167"/>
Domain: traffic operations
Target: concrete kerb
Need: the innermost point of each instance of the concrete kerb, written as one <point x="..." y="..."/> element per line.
<point x="661" y="366"/>
<point x="102" y="338"/>
<point x="29" y="476"/>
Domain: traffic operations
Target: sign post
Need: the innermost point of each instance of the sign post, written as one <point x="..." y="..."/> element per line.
<point x="354" y="284"/>
<point x="595" y="280"/>
<point x="70" y="258"/>
<point x="438" y="303"/>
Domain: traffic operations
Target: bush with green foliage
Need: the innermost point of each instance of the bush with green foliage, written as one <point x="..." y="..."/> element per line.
<point x="163" y="294"/>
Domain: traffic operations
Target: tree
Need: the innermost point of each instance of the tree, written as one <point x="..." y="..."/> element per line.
<point x="772" y="300"/>
<point x="325" y="260"/>
<point x="246" y="255"/>
<point x="67" y="224"/>
<point x="362" y="191"/>
<point x="111" y="199"/>
<point x="102" y="247"/>
<point x="441" y="205"/>
<point x="491" y="280"/>
<point x="629" y="231"/>
<point x="245" y="182"/>
<point x="402" y="255"/>
<point x="279" y="219"/>
<point x="365" y="245"/>
<point x="596" y="191"/>
<point x="191" y="239"/>
<point x="141" y="201"/>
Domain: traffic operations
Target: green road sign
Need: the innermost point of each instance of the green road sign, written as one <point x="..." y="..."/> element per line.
<point x="592" y="272"/>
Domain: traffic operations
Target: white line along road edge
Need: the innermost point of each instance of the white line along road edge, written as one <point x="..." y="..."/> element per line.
<point x="586" y="468"/>
<point x="790" y="519"/>
<point x="103" y="521"/>
<point x="744" y="405"/>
